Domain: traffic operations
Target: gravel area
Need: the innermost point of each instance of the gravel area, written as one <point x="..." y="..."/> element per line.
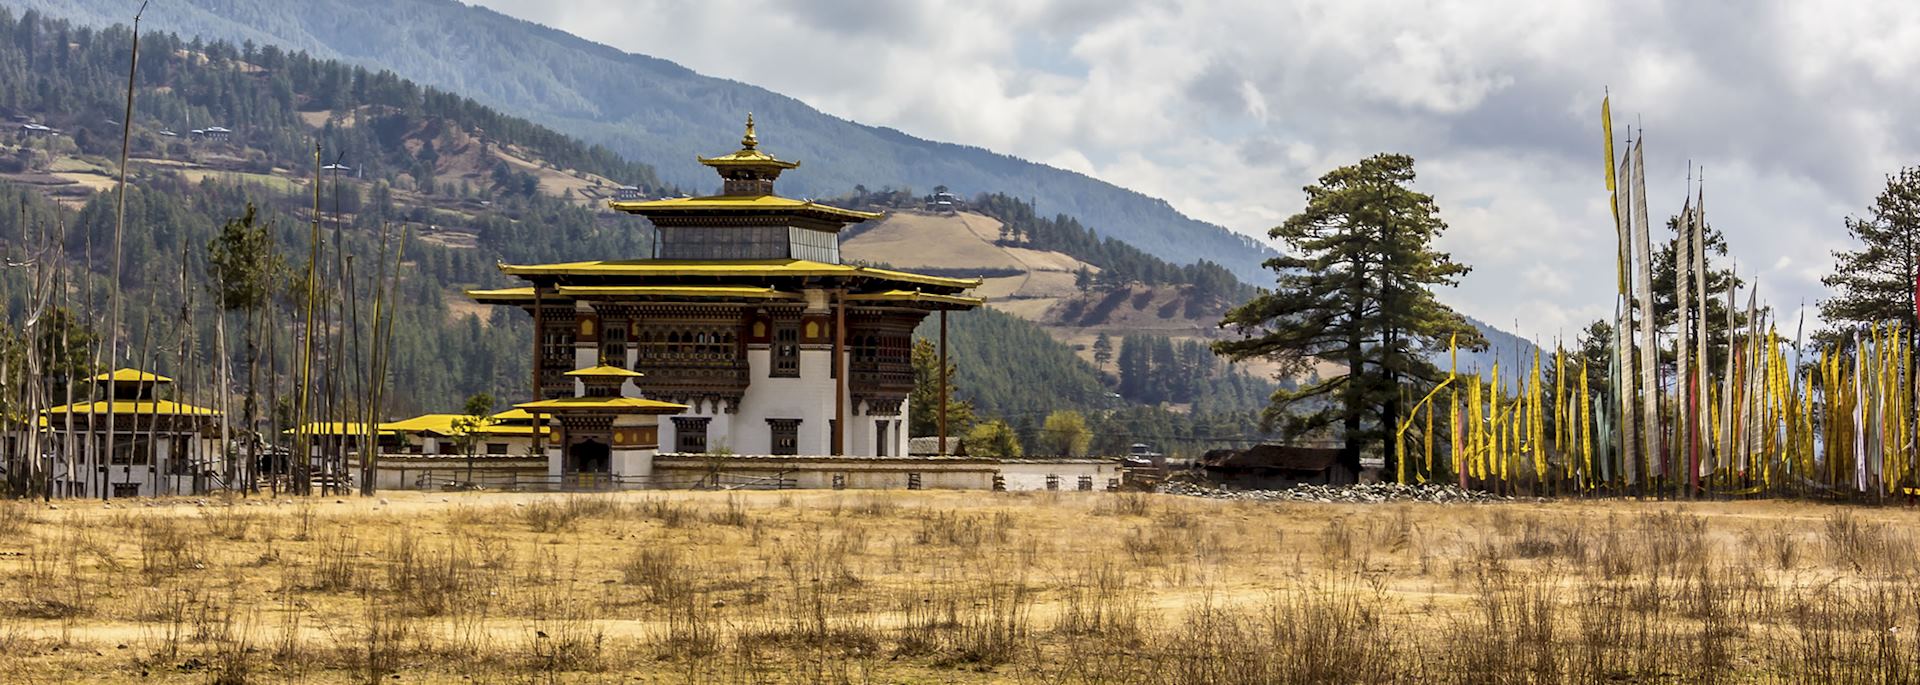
<point x="1349" y="494"/>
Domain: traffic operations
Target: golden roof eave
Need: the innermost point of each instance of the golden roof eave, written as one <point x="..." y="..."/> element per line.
<point x="502" y="295"/>
<point x="739" y="203"/>
<point x="740" y="268"/>
<point x="914" y="296"/>
<point x="617" y="405"/>
<point x="603" y="371"/>
<point x="599" y="292"/>
<point x="747" y="158"/>
<point x="131" y="408"/>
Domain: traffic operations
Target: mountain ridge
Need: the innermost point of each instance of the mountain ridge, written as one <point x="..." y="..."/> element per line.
<point x="657" y="111"/>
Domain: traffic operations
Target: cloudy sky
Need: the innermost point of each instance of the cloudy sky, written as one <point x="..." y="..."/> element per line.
<point x="1795" y="110"/>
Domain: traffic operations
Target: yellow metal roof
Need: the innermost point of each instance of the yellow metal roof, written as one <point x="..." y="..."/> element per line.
<point x="131" y="407"/>
<point x="335" y="428"/>
<point x="916" y="296"/>
<point x="604" y="371"/>
<point x="738" y="203"/>
<point x="126" y="375"/>
<point x="608" y="403"/>
<point x="720" y="291"/>
<point x="512" y="415"/>
<point x="448" y="424"/>
<point x="503" y="294"/>
<point x="424" y="423"/>
<point x="789" y="268"/>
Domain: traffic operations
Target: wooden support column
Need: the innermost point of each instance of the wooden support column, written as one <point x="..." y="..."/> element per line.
<point x="539" y="362"/>
<point x="942" y="375"/>
<point x="840" y="375"/>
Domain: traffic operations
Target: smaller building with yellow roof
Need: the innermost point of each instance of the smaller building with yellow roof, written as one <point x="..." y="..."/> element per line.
<point x="158" y="446"/>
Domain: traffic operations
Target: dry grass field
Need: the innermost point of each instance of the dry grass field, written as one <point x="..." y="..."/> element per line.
<point x="928" y="587"/>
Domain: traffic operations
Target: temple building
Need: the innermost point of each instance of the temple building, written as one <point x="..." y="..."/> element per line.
<point x="743" y="333"/>
<point x="159" y="447"/>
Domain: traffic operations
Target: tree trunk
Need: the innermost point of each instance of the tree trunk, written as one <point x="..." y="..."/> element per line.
<point x="251" y="405"/>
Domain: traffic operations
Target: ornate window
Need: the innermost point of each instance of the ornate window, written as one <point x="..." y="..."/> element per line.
<point x="690" y="434"/>
<point x="613" y="343"/>
<point x="786" y="436"/>
<point x="786" y="351"/>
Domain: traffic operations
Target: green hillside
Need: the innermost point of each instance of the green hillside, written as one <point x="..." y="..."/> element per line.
<point x="656" y="111"/>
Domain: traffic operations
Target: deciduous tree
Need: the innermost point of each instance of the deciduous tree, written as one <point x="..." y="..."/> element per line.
<point x="1065" y="433"/>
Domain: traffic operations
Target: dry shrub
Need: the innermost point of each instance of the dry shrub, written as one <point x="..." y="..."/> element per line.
<point x="946" y="528"/>
<point x="337" y="568"/>
<point x="1336" y="539"/>
<point x="429" y="580"/>
<point x="167" y="549"/>
<point x="660" y="572"/>
<point x="733" y="514"/>
<point x="1099" y="601"/>
<point x="1125" y="504"/>
<point x="871" y="506"/>
<point x="228" y="523"/>
<point x="15" y="517"/>
<point x="1866" y="546"/>
<point x="56" y="584"/>
<point x="1308" y="635"/>
<point x="669" y="512"/>
<point x="558" y="515"/>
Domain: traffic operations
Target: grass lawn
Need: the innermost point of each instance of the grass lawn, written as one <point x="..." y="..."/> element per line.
<point x="940" y="587"/>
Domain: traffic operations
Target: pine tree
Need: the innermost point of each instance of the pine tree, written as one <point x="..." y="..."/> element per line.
<point x="1102" y="351"/>
<point x="1877" y="283"/>
<point x="1719" y="280"/>
<point x="245" y="268"/>
<point x="923" y="419"/>
<point x="1358" y="295"/>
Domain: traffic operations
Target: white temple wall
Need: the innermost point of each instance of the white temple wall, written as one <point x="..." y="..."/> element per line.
<point x="808" y="398"/>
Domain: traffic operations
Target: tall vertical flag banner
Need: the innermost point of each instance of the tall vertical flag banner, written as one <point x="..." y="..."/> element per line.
<point x="1683" y="308"/>
<point x="1624" y="368"/>
<point x="1620" y="381"/>
<point x="1701" y="384"/>
<point x="1649" y="359"/>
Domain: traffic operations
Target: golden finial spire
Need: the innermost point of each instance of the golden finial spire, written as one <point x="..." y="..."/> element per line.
<point x="749" y="141"/>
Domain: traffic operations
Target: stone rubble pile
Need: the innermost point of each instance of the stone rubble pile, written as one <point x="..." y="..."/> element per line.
<point x="1367" y="493"/>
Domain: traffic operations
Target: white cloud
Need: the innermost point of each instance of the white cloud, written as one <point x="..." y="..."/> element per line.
<point x="1227" y="108"/>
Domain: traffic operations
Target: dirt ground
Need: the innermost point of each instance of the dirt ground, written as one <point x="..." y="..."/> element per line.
<point x="912" y="587"/>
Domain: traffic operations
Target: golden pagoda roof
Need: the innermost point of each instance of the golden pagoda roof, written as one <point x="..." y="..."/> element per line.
<point x="739" y="203"/>
<point x="729" y="268"/>
<point x="603" y="371"/>
<point x="916" y="296"/>
<point x="132" y="408"/>
<point x="126" y="375"/>
<point x="749" y="154"/>
<point x="612" y="404"/>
